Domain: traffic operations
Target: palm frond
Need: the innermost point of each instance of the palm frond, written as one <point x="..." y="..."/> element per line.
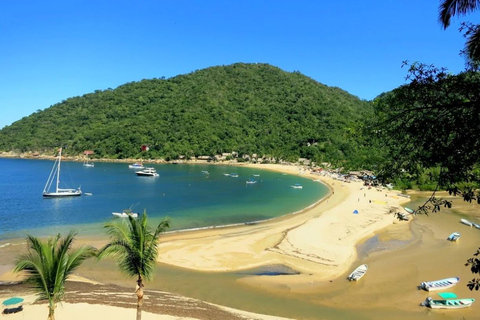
<point x="473" y="44"/>
<point x="450" y="8"/>
<point x="134" y="244"/>
<point x="48" y="264"/>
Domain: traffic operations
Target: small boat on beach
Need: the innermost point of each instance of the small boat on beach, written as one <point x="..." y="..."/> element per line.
<point x="466" y="222"/>
<point x="449" y="303"/>
<point x="136" y="165"/>
<point x="439" y="284"/>
<point x="476" y="225"/>
<point x="454" y="236"/>
<point x="297" y="186"/>
<point x="409" y="210"/>
<point x="55" y="177"/>
<point x="147" y="172"/>
<point x="358" y="273"/>
<point x="125" y="213"/>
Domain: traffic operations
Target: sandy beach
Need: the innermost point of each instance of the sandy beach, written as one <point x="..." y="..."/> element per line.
<point x="320" y="244"/>
<point x="319" y="241"/>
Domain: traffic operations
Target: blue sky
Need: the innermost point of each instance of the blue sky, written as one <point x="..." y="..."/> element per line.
<point x="54" y="50"/>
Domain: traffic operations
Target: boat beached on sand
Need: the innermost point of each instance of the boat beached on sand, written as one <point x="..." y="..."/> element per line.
<point x="439" y="284"/>
<point x="466" y="222"/>
<point x="449" y="303"/>
<point x="411" y="211"/>
<point x="55" y="177"/>
<point x="358" y="273"/>
<point x="454" y="236"/>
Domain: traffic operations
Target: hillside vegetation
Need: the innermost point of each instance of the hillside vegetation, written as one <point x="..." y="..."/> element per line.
<point x="248" y="108"/>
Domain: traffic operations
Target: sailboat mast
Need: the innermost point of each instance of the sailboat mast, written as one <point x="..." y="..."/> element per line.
<point x="58" y="168"/>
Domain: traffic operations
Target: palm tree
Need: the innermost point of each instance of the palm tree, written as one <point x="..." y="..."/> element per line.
<point x="449" y="8"/>
<point x="48" y="265"/>
<point x="136" y="247"/>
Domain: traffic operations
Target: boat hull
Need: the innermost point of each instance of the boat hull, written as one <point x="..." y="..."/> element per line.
<point x="439" y="284"/>
<point x="454" y="236"/>
<point x="358" y="273"/>
<point x="143" y="174"/>
<point x="125" y="215"/>
<point x="450" y="303"/>
<point x="61" y="194"/>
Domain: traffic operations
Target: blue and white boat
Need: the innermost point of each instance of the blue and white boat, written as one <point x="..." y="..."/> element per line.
<point x="454" y="236"/>
<point x="449" y="303"/>
<point x="439" y="284"/>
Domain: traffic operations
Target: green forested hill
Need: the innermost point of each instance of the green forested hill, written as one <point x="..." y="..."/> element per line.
<point x="248" y="108"/>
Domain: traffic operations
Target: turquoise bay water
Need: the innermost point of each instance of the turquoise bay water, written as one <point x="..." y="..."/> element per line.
<point x="190" y="197"/>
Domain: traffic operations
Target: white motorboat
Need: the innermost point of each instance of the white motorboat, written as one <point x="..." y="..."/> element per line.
<point x="147" y="172"/>
<point x="55" y="177"/>
<point x="125" y="213"/>
<point x="439" y="284"/>
<point x="466" y="222"/>
<point x="136" y="165"/>
<point x="297" y="186"/>
<point x="358" y="273"/>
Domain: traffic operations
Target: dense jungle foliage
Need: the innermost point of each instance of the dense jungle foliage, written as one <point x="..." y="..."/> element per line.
<point x="247" y="108"/>
<point x="429" y="129"/>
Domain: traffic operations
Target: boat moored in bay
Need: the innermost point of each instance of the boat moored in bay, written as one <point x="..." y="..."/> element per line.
<point x="54" y="177"/>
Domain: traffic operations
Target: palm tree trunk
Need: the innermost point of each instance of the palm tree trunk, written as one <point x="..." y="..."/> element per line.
<point x="51" y="315"/>
<point x="139" y="297"/>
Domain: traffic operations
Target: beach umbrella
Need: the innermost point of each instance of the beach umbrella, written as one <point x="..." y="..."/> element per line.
<point x="12" y="301"/>
<point x="356" y="211"/>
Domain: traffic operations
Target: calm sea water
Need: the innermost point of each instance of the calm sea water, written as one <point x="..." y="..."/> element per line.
<point x="190" y="197"/>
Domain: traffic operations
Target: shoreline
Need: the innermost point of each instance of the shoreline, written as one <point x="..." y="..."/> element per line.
<point x="282" y="243"/>
<point x="293" y="240"/>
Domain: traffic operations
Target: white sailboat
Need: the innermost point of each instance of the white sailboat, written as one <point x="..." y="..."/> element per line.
<point x="88" y="163"/>
<point x="55" y="177"/>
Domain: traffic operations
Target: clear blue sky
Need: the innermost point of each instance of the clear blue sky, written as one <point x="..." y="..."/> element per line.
<point x="54" y="50"/>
